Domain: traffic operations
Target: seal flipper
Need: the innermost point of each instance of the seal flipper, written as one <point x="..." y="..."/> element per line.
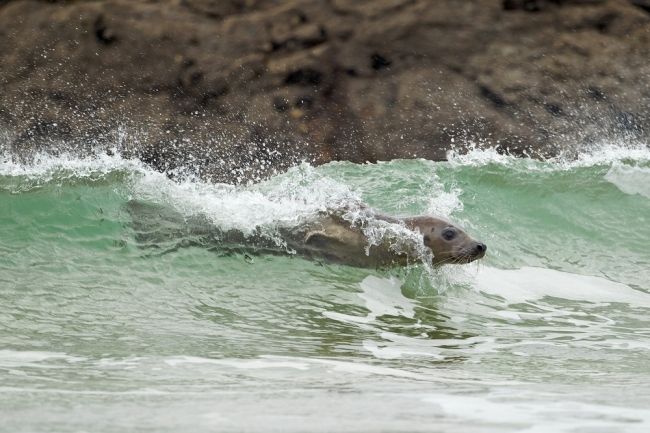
<point x="324" y="244"/>
<point x="320" y="239"/>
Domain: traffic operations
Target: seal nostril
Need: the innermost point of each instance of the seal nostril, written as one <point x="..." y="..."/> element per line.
<point x="480" y="247"/>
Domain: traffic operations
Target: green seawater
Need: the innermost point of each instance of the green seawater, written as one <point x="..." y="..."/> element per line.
<point x="550" y="332"/>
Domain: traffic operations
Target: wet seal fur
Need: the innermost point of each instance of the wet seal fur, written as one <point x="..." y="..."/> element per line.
<point x="336" y="239"/>
<point x="329" y="236"/>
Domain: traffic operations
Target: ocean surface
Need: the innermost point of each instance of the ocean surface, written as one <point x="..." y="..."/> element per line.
<point x="550" y="332"/>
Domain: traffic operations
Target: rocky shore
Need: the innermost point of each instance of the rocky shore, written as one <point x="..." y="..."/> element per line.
<point x="236" y="88"/>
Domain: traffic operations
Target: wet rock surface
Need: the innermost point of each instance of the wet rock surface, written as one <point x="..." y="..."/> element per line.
<point x="238" y="88"/>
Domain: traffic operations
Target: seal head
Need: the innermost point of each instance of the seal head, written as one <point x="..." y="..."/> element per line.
<point x="449" y="243"/>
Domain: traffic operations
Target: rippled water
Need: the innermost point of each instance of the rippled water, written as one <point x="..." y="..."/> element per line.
<point x="549" y="333"/>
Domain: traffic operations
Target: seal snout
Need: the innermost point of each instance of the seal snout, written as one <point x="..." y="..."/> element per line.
<point x="473" y="251"/>
<point x="478" y="251"/>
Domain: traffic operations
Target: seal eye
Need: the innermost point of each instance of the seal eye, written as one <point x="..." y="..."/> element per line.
<point x="448" y="234"/>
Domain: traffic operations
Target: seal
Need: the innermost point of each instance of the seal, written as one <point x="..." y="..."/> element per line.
<point x="374" y="241"/>
<point x="335" y="239"/>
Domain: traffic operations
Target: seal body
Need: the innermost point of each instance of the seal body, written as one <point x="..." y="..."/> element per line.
<point x="375" y="241"/>
<point x="335" y="239"/>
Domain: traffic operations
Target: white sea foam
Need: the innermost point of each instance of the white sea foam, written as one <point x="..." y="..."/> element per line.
<point x="30" y="358"/>
<point x="45" y="166"/>
<point x="267" y="362"/>
<point x="283" y="201"/>
<point x="608" y="153"/>
<point x="530" y="284"/>
<point x="595" y="155"/>
<point x="244" y="364"/>
<point x="534" y="415"/>
<point x="630" y="179"/>
<point x="382" y="297"/>
<point x="476" y="156"/>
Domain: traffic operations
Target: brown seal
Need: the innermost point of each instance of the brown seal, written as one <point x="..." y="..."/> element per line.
<point x="372" y="242"/>
<point x="336" y="239"/>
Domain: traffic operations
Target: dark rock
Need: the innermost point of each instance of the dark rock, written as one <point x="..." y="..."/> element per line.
<point x="304" y="76"/>
<point x="643" y="4"/>
<point x="379" y="62"/>
<point x="539" y="5"/>
<point x="103" y="34"/>
<point x="239" y="88"/>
